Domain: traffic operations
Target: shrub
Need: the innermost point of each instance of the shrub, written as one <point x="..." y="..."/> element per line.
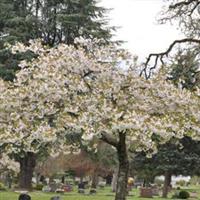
<point x="184" y="194"/>
<point x="175" y="195"/>
<point x="38" y="187"/>
<point x="195" y="180"/>
<point x="2" y="187"/>
<point x="181" y="183"/>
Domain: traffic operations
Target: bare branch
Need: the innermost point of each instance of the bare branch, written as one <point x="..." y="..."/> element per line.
<point x="161" y="55"/>
<point x="182" y="11"/>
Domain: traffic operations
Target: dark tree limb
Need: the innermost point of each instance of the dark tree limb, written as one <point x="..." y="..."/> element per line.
<point x="109" y="139"/>
<point x="195" y="7"/>
<point x="185" y="7"/>
<point x="182" y="10"/>
<point x="183" y="3"/>
<point x="160" y="56"/>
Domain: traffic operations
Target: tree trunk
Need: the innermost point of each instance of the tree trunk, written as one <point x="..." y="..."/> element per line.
<point x="81" y="179"/>
<point x="166" y="185"/>
<point x="94" y="180"/>
<point x="27" y="165"/>
<point x="37" y="178"/>
<point x="63" y="179"/>
<point x="114" y="180"/>
<point x="121" y="191"/>
<point x="9" y="180"/>
<point x="144" y="183"/>
<point x="108" y="180"/>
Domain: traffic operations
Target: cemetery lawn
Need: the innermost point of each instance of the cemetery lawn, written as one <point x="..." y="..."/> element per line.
<point x="104" y="194"/>
<point x="42" y="196"/>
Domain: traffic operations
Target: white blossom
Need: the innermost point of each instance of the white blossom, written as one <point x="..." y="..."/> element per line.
<point x="68" y="88"/>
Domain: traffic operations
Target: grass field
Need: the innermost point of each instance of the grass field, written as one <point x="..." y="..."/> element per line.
<point x="104" y="194"/>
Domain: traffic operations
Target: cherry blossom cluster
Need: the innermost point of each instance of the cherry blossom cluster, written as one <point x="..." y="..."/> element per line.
<point x="7" y="164"/>
<point x="69" y="89"/>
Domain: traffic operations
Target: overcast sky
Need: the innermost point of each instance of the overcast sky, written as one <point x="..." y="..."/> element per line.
<point x="137" y="19"/>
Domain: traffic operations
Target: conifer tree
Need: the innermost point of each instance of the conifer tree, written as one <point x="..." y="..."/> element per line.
<point x="54" y="21"/>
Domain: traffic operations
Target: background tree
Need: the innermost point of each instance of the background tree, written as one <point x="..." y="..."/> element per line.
<point x="176" y="157"/>
<point x="183" y="65"/>
<point x="186" y="13"/>
<point x="54" y="21"/>
<point x="86" y="163"/>
<point x="184" y="70"/>
<point x="15" y="25"/>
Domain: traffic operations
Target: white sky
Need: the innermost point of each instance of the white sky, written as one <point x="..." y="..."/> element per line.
<point x="137" y="19"/>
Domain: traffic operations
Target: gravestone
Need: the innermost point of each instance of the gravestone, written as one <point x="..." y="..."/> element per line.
<point x="55" y="198"/>
<point x="59" y="190"/>
<point x="24" y="197"/>
<point x="81" y="188"/>
<point x="93" y="191"/>
<point x="53" y="186"/>
<point x="81" y="191"/>
<point x="46" y="189"/>
<point x="146" y="192"/>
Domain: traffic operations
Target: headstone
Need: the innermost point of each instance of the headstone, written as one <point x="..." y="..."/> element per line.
<point x="155" y="191"/>
<point x="67" y="188"/>
<point x="46" y="189"/>
<point x="24" y="197"/>
<point x="114" y="181"/>
<point x="53" y="186"/>
<point x="146" y="192"/>
<point x="93" y="191"/>
<point x="81" y="185"/>
<point x="55" y="198"/>
<point x="81" y="191"/>
<point x="59" y="190"/>
<point x="102" y="184"/>
<point x="194" y="195"/>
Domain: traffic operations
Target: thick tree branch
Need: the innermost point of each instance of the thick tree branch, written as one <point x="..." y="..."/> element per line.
<point x="183" y="3"/>
<point x="194" y="8"/>
<point x="109" y="139"/>
<point x="160" y="56"/>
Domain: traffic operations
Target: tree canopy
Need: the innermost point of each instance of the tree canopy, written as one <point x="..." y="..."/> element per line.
<point x="68" y="89"/>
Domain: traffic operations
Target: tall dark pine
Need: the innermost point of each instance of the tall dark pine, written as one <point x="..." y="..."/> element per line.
<point x="15" y="25"/>
<point x="54" y="21"/>
<point x="64" y="20"/>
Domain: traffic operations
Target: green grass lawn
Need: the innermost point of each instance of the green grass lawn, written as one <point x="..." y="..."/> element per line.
<point x="103" y="194"/>
<point x="42" y="196"/>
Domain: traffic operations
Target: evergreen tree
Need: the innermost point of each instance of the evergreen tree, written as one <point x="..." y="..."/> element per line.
<point x="184" y="70"/>
<point x="173" y="158"/>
